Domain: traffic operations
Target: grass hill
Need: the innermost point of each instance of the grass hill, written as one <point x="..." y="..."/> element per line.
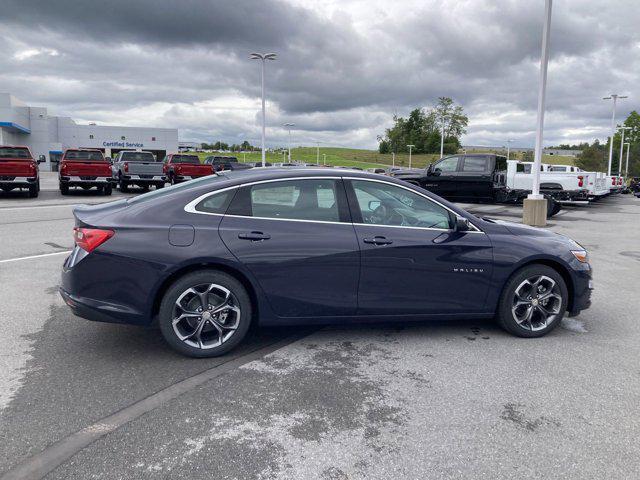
<point x="351" y="157"/>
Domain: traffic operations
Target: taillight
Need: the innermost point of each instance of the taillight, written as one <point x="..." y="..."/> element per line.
<point x="613" y="181"/>
<point x="91" y="238"/>
<point x="580" y="180"/>
<point x="126" y="167"/>
<point x="620" y="181"/>
<point x="63" y="168"/>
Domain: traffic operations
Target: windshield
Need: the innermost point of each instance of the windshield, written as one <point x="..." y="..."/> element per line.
<point x="185" y="159"/>
<point x="175" y="188"/>
<point x="13" y="153"/>
<point x="90" y="155"/>
<point x="138" y="157"/>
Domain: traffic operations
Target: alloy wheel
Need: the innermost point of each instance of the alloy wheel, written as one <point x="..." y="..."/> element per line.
<point x="206" y="315"/>
<point x="536" y="303"/>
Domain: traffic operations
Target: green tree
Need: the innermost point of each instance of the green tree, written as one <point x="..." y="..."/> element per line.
<point x="423" y="129"/>
<point x="593" y="158"/>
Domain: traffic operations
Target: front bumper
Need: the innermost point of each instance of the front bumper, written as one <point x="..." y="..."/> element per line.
<point x="582" y="288"/>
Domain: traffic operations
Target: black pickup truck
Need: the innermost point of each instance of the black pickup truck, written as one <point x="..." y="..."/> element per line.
<point x="476" y="178"/>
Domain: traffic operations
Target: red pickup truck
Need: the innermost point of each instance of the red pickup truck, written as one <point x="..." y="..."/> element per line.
<point x="85" y="168"/>
<point x="179" y="167"/>
<point x="18" y="169"/>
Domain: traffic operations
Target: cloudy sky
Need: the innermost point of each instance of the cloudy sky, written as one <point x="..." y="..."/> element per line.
<point x="344" y="67"/>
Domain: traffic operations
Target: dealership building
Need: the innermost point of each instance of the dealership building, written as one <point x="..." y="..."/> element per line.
<point x="49" y="135"/>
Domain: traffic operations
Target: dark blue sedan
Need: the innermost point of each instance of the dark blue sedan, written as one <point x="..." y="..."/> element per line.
<point x="208" y="257"/>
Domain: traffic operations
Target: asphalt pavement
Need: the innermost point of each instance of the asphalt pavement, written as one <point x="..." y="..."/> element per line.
<point x="456" y="400"/>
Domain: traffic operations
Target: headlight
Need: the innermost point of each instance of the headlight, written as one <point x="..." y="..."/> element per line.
<point x="581" y="255"/>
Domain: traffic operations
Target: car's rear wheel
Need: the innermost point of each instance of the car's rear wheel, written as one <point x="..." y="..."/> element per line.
<point x="205" y="314"/>
<point x="64" y="189"/>
<point x="533" y="301"/>
<point x="107" y="189"/>
<point x="124" y="186"/>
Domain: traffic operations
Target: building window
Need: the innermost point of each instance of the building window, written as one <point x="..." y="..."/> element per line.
<point x="153" y="139"/>
<point x="91" y="137"/>
<point x="122" y="137"/>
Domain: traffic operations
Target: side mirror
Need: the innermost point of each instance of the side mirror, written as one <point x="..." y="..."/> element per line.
<point x="42" y="159"/>
<point x="430" y="169"/>
<point x="461" y="225"/>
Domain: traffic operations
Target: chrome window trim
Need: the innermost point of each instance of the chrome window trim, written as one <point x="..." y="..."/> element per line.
<point x="191" y="206"/>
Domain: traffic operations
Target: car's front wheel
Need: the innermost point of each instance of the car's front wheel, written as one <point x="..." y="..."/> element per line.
<point x="533" y="301"/>
<point x="205" y="314"/>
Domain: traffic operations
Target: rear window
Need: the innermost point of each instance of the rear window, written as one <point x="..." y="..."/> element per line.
<point x="90" y="155"/>
<point x="138" y="157"/>
<point x="185" y="159"/>
<point x="11" y="152"/>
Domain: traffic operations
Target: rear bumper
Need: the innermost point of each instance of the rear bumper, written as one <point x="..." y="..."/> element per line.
<point x="99" y="311"/>
<point x="86" y="181"/>
<point x="8" y="181"/>
<point x="144" y="179"/>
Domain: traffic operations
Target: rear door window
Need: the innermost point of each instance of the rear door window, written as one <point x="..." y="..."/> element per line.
<point x="475" y="164"/>
<point x="296" y="199"/>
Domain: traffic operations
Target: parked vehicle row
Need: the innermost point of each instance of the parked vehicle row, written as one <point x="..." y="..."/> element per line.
<point x="494" y="179"/>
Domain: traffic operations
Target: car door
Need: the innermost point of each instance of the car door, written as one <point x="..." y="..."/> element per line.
<point x="474" y="178"/>
<point x="296" y="237"/>
<point x="441" y="180"/>
<point x="412" y="262"/>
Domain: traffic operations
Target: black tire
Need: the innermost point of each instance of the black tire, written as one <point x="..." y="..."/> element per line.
<point x="553" y="207"/>
<point x="33" y="191"/>
<point x="195" y="279"/>
<point x="159" y="185"/>
<point x="506" y="317"/>
<point x="124" y="186"/>
<point x="38" y="184"/>
<point x="107" y="190"/>
<point x="64" y="189"/>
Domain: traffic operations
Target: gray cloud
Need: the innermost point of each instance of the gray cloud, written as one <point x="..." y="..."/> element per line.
<point x="343" y="68"/>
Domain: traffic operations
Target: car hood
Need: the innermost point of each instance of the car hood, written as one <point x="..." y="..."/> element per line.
<point x="521" y="230"/>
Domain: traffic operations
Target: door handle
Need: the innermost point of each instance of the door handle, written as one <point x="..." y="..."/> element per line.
<point x="254" y="236"/>
<point x="378" y="240"/>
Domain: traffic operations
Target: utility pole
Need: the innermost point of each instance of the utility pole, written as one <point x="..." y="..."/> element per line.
<point x="393" y="159"/>
<point x="410" y="147"/>
<point x="614" y="97"/>
<point x="324" y="159"/>
<point x="317" y="153"/>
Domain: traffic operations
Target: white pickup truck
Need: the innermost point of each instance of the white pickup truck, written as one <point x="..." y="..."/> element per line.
<point x="596" y="181"/>
<point x="562" y="186"/>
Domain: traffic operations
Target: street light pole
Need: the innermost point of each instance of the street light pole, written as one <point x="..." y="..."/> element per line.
<point x="263" y="57"/>
<point x="508" y="148"/>
<point x="442" y="139"/>
<point x="626" y="169"/>
<point x="289" y="125"/>
<point x="317" y="153"/>
<point x="410" y="147"/>
<point x="534" y="211"/>
<point x="621" y="149"/>
<point x="615" y="98"/>
<point x="324" y="159"/>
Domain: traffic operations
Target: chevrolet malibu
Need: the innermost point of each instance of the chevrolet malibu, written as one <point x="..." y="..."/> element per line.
<point x="207" y="258"/>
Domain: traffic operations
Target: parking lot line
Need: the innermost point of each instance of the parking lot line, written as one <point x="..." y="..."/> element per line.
<point x="34" y="256"/>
